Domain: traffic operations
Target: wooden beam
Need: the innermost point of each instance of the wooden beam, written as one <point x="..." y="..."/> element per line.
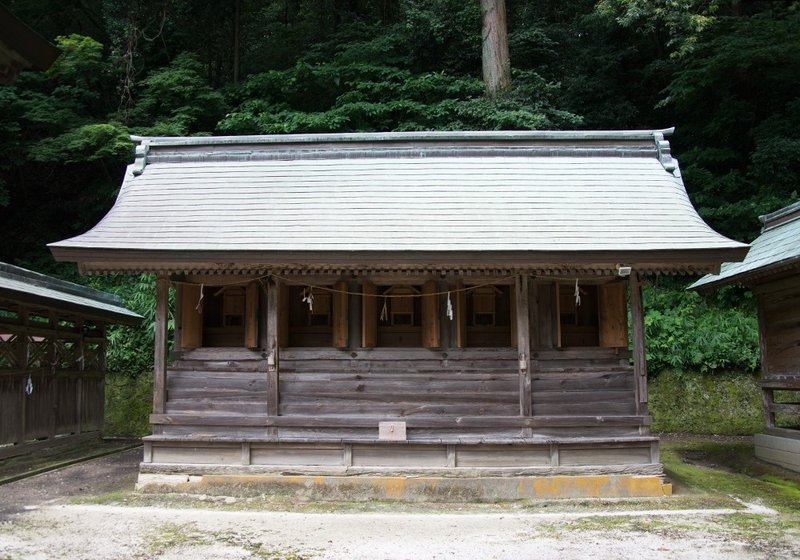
<point x="160" y="366"/>
<point x="523" y="346"/>
<point x="639" y="348"/>
<point x="430" y="315"/>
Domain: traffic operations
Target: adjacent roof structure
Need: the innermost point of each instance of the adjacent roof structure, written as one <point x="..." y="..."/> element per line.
<point x="21" y="48"/>
<point x="512" y="198"/>
<point x="25" y="286"/>
<point x="777" y="249"/>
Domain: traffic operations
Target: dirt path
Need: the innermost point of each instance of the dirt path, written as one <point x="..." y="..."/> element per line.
<point x="102" y="532"/>
<point x="37" y="522"/>
<point x="106" y="474"/>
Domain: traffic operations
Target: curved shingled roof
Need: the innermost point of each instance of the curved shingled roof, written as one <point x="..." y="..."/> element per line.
<point x="512" y="197"/>
<point x="775" y="250"/>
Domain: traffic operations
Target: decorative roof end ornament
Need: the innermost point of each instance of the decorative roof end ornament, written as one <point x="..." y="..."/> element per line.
<point x="140" y="160"/>
<point x="664" y="153"/>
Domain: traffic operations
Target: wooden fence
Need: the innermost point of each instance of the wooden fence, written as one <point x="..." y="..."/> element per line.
<point x="51" y="377"/>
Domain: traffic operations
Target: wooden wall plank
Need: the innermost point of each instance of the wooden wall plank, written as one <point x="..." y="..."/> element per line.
<point x="341" y="324"/>
<point x="430" y="315"/>
<point x="369" y="315"/>
<point x="613" y="315"/>
<point x="191" y="318"/>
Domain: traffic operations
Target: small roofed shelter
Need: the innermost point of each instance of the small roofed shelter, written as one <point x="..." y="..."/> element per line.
<point x="395" y="303"/>
<point x="52" y="358"/>
<point x="772" y="271"/>
<point x="21" y="48"/>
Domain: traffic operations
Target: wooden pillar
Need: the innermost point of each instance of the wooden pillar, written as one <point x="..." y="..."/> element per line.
<point x="369" y="315"/>
<point x="24" y="356"/>
<point x="339" y="306"/>
<point x="639" y="349"/>
<point x="461" y="316"/>
<point x="263" y="331"/>
<point x="767" y="393"/>
<point x="273" y="345"/>
<point x="79" y="380"/>
<point x="430" y="315"/>
<point x="160" y="366"/>
<point x="354" y="320"/>
<point x="523" y="345"/>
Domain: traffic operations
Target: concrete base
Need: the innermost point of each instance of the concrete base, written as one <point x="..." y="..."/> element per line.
<point x="782" y="451"/>
<point x="419" y="488"/>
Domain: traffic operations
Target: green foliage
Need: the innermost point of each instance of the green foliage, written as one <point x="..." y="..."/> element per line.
<point x="128" y="403"/>
<point x="364" y="97"/>
<point x="686" y="332"/>
<point x="177" y="100"/>
<point x="690" y="402"/>
<point x="90" y="142"/>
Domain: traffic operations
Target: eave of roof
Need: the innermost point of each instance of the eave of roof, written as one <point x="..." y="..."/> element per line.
<point x="774" y="252"/>
<point x="22" y="47"/>
<point x="520" y="198"/>
<point x="31" y="288"/>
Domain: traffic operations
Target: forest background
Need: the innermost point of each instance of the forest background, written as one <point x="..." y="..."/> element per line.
<point x="725" y="73"/>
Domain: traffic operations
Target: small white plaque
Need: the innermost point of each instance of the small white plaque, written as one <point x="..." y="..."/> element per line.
<point x="392" y="431"/>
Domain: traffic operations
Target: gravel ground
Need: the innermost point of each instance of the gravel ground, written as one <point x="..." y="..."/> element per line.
<point x="39" y="523"/>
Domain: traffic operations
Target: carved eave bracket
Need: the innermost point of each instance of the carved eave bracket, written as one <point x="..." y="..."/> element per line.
<point x="140" y="160"/>
<point x="664" y="152"/>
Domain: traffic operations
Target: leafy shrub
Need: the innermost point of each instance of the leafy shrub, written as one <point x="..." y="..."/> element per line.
<point x="687" y="332"/>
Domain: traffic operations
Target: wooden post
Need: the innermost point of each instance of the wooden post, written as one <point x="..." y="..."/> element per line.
<point x="767" y="393"/>
<point x="340" y="327"/>
<point x="369" y="315"/>
<point x="251" y="315"/>
<point x="430" y="315"/>
<point x="273" y="345"/>
<point x="262" y="316"/>
<point x="160" y="366"/>
<point x="24" y="357"/>
<point x="639" y="349"/>
<point x="461" y="315"/>
<point x="523" y="346"/>
<point x="79" y="380"/>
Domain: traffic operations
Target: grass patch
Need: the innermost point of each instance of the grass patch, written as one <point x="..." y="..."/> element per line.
<point x="730" y="469"/>
<point x="188" y="536"/>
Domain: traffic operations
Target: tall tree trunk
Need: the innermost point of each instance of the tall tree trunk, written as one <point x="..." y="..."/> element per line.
<point x="496" y="62"/>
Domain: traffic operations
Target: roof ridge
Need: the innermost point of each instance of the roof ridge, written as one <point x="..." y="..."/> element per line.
<point x="42" y="280"/>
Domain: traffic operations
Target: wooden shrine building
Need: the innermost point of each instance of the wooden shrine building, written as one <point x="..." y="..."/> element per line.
<point x="772" y="271"/>
<point x="52" y="358"/>
<point x="442" y="303"/>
